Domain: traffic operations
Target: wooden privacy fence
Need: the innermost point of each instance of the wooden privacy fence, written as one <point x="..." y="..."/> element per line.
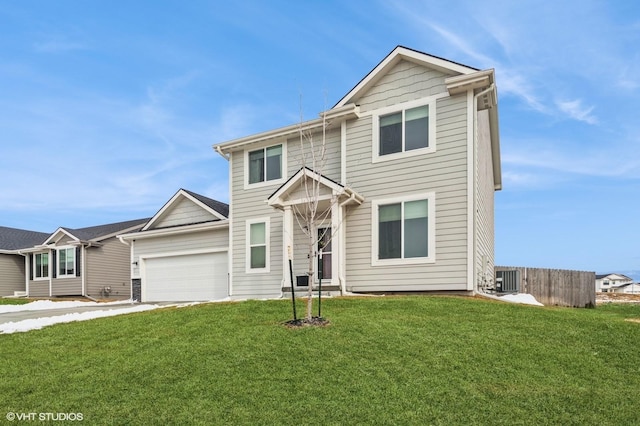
<point x="557" y="287"/>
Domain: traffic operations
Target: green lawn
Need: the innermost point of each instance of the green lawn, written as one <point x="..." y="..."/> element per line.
<point x="383" y="360"/>
<point x="14" y="301"/>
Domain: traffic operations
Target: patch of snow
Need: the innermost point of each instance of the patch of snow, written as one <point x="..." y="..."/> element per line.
<point x="38" y="323"/>
<point x="41" y="305"/>
<point x="523" y="298"/>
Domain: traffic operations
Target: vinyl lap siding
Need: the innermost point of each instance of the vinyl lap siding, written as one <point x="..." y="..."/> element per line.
<point x="67" y="286"/>
<point x="443" y="172"/>
<point x="12" y="276"/>
<point x="108" y="266"/>
<point x="485" y="192"/>
<point x="185" y="212"/>
<point x="251" y="204"/>
<point x="331" y="165"/>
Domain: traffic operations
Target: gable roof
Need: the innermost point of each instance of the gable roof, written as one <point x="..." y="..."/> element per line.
<point x="396" y="55"/>
<point x="15" y="239"/>
<point x="99" y="232"/>
<point x="216" y="208"/>
<point x="275" y="199"/>
<point x="614" y="276"/>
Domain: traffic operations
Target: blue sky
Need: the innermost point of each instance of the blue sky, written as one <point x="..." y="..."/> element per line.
<point x="107" y="108"/>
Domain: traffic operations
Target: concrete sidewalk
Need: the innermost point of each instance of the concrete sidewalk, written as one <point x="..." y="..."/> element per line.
<point x="45" y="313"/>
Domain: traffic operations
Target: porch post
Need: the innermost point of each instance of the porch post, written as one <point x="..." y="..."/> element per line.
<point x="287" y="245"/>
<point x="336" y="253"/>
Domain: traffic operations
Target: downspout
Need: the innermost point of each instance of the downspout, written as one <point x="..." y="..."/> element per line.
<point x="491" y="87"/>
<point x="83" y="256"/>
<point x="343" y="256"/>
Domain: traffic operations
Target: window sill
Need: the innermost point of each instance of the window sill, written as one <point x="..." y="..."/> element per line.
<point x="401" y="155"/>
<point x="403" y="262"/>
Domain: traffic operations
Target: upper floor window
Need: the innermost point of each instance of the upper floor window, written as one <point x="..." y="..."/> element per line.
<point x="67" y="262"/>
<point x="41" y="265"/>
<point x="265" y="164"/>
<point x="404" y="130"/>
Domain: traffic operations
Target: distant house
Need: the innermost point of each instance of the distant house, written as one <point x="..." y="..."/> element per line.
<point x="413" y="161"/>
<point x="628" y="288"/>
<point x="181" y="253"/>
<point x="87" y="262"/>
<point x="607" y="282"/>
<point x="12" y="262"/>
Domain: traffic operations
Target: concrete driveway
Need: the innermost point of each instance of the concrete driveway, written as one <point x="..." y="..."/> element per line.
<point x="6" y="317"/>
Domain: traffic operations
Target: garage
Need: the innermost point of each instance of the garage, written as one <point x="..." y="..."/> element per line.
<point x="183" y="278"/>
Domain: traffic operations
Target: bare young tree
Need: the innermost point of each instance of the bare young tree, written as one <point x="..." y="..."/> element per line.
<point x="311" y="214"/>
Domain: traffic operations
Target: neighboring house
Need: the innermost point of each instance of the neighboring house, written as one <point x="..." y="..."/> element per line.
<point x="628" y="288"/>
<point x="12" y="262"/>
<point x="88" y="262"/>
<point x="181" y="254"/>
<point x="413" y="160"/>
<point x="607" y="282"/>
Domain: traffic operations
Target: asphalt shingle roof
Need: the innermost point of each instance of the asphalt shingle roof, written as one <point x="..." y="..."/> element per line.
<point x="218" y="206"/>
<point x="92" y="232"/>
<point x="15" y="239"/>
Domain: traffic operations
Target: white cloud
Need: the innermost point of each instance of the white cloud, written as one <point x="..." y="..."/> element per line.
<point x="575" y="110"/>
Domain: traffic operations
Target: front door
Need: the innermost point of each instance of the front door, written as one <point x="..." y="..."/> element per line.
<point x="324" y="247"/>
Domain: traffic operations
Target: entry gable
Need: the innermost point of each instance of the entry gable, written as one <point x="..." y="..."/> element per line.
<point x="187" y="208"/>
<point x="293" y="190"/>
<point x="60" y="237"/>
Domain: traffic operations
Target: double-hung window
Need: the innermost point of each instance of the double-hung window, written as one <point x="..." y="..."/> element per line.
<point x="258" y="245"/>
<point x="265" y="164"/>
<point x="404" y="130"/>
<point x="403" y="230"/>
<point x="41" y="265"/>
<point x="67" y="262"/>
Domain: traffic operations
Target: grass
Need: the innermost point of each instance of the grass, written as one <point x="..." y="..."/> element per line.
<point x="14" y="301"/>
<point x="388" y="360"/>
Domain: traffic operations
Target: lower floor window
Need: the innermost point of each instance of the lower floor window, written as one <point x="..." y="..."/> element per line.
<point x="257" y="245"/>
<point x="66" y="261"/>
<point x="404" y="228"/>
<point x="41" y="265"/>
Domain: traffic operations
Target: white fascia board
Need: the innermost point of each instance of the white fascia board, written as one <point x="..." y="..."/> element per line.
<point x="60" y="230"/>
<point x="476" y="80"/>
<point x="398" y="54"/>
<point x="175" y="230"/>
<point x="343" y="113"/>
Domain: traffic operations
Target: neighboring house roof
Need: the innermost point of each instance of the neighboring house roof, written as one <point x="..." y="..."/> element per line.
<point x="101" y="231"/>
<point x="15" y="239"/>
<point x="96" y="233"/>
<point x="614" y="276"/>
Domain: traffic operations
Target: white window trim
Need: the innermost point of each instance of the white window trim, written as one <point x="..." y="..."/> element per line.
<point x="75" y="262"/>
<point x="280" y="181"/>
<point x="431" y="227"/>
<point x="375" y="122"/>
<point x="267" y="230"/>
<point x="34" y="267"/>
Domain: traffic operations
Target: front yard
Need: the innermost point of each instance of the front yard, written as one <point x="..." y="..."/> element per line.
<point x="382" y="360"/>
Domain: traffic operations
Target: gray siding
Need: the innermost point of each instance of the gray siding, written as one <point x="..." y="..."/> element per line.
<point x="67" y="286"/>
<point x="39" y="288"/>
<point x="330" y="167"/>
<point x="443" y="172"/>
<point x="407" y="81"/>
<point x="250" y="204"/>
<point x="485" y="191"/>
<point x="108" y="266"/>
<point x="12" y="276"/>
<point x="183" y="213"/>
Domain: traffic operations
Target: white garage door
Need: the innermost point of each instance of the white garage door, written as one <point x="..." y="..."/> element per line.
<point x="191" y="277"/>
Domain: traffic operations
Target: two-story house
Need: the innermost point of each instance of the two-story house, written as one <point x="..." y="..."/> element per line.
<point x="407" y="191"/>
<point x="609" y="282"/>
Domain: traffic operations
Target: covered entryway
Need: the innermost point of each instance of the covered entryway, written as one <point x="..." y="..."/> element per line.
<point x="182" y="278"/>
